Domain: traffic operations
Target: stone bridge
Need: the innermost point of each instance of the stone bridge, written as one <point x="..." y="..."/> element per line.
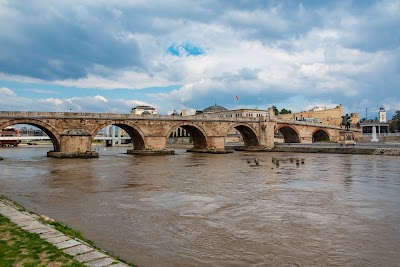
<point x="72" y="133"/>
<point x="308" y="132"/>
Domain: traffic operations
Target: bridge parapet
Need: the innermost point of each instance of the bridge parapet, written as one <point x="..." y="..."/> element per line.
<point x="314" y="124"/>
<point x="119" y="116"/>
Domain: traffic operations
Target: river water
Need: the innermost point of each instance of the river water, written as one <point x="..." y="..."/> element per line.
<point x="194" y="209"/>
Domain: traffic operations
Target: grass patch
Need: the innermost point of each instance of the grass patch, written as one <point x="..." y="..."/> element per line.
<point x="21" y="248"/>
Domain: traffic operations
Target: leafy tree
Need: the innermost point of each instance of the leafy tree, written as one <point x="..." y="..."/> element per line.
<point x="394" y="124"/>
<point x="276" y="111"/>
<point x="285" y="111"/>
<point x="397" y="115"/>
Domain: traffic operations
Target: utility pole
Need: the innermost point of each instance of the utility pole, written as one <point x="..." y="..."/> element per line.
<point x="366" y="113"/>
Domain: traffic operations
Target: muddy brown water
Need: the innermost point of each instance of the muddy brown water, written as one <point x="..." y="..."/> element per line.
<point x="218" y="210"/>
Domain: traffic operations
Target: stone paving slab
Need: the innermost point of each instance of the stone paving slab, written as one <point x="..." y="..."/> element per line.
<point x="57" y="239"/>
<point x="5" y="208"/>
<point x="24" y="223"/>
<point x="80" y="249"/>
<point x="32" y="226"/>
<point x="12" y="213"/>
<point x="119" y="265"/>
<point x="51" y="234"/>
<point x="100" y="263"/>
<point x="40" y="230"/>
<point x="67" y="244"/>
<point x="19" y="217"/>
<point x="90" y="256"/>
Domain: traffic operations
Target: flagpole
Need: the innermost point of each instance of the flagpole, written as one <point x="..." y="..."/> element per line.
<point x="236" y="99"/>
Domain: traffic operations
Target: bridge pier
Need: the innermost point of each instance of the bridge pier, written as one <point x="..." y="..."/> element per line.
<point x="215" y="145"/>
<point x="266" y="138"/>
<point x="154" y="145"/>
<point x="74" y="143"/>
<point x="306" y="140"/>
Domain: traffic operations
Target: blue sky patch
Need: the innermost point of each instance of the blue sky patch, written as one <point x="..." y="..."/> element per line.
<point x="185" y="49"/>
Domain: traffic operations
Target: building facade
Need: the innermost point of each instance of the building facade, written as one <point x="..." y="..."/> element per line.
<point x="382" y="115"/>
<point x="143" y="110"/>
<point x="325" y="116"/>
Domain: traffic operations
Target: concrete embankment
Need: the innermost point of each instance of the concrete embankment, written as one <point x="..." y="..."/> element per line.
<point x="338" y="150"/>
<point x="80" y="250"/>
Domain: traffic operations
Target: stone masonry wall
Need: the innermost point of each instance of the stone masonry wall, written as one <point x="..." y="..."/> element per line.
<point x="328" y="116"/>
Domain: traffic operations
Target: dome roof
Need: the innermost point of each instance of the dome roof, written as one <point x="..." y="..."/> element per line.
<point x="175" y="113"/>
<point x="146" y="112"/>
<point x="215" y="108"/>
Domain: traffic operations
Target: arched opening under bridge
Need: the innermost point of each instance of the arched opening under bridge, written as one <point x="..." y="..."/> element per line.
<point x="119" y="134"/>
<point x="179" y="138"/>
<point x="191" y="135"/>
<point x="241" y="135"/>
<point x="289" y="134"/>
<point x="320" y="136"/>
<point x="29" y="132"/>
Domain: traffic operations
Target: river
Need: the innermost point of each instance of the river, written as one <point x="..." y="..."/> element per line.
<point x="194" y="209"/>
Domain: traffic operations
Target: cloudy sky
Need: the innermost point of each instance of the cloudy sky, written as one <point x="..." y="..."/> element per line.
<point x="109" y="56"/>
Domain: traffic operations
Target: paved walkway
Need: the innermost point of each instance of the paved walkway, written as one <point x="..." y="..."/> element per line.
<point x="81" y="251"/>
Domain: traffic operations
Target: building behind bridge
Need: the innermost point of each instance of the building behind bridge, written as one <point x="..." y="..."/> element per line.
<point x="144" y="110"/>
<point x="325" y="116"/>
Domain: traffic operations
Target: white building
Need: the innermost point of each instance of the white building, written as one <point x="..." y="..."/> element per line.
<point x="219" y="111"/>
<point x="317" y="108"/>
<point x="143" y="110"/>
<point x="382" y="115"/>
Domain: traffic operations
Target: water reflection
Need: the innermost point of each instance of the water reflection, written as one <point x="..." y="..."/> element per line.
<point x="219" y="210"/>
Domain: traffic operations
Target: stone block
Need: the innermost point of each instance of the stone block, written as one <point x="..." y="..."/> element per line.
<point x="40" y="230"/>
<point x="25" y="222"/>
<point x="90" y="256"/>
<point x="34" y="225"/>
<point x="101" y="262"/>
<point x="77" y="250"/>
<point x="57" y="239"/>
<point x="50" y="234"/>
<point x="67" y="244"/>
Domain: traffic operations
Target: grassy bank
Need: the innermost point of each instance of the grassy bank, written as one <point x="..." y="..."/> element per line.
<point x="21" y="248"/>
<point x="10" y="250"/>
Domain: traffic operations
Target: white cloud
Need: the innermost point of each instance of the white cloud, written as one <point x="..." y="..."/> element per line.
<point x="329" y="53"/>
<point x="54" y="101"/>
<point x="119" y="79"/>
<point x="6" y="91"/>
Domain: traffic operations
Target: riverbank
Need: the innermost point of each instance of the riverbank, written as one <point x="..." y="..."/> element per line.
<point x="28" y="239"/>
<point x="333" y="148"/>
<point x="21" y="248"/>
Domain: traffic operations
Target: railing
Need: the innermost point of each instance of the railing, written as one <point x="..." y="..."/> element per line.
<point x="316" y="124"/>
<point x="115" y="116"/>
<point x="48" y="138"/>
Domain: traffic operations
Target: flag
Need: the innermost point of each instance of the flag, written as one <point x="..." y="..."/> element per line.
<point x="237" y="98"/>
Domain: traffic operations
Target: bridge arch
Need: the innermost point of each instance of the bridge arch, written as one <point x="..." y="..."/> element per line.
<point x="248" y="133"/>
<point x="198" y="135"/>
<point x="320" y="135"/>
<point x="49" y="130"/>
<point x="290" y="133"/>
<point x="136" y="135"/>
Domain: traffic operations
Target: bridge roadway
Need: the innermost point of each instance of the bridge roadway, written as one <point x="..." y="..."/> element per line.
<point x="31" y="138"/>
<point x="72" y="133"/>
